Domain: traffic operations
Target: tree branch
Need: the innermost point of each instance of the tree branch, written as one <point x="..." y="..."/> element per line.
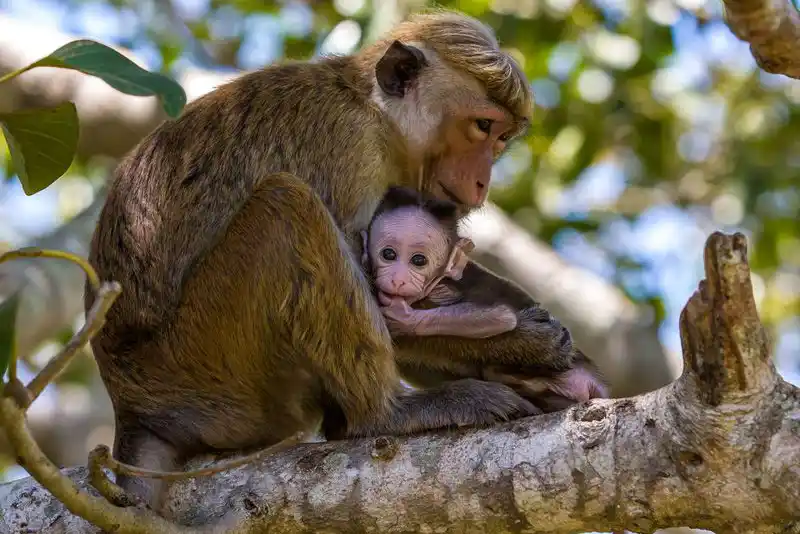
<point x="772" y="27"/>
<point x="716" y="449"/>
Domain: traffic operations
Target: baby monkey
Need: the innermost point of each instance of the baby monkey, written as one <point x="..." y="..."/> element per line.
<point x="411" y="244"/>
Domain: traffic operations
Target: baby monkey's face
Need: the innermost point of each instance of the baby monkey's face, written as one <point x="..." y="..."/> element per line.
<point x="407" y="247"/>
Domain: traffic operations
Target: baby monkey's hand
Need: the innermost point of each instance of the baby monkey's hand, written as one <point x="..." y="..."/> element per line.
<point x="400" y="317"/>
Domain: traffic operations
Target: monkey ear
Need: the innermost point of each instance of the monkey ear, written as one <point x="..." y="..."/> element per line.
<point x="398" y="67"/>
<point x="458" y="258"/>
<point x="465" y="244"/>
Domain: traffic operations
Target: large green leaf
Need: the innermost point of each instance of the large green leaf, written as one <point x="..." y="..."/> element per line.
<point x="8" y="317"/>
<point x="91" y="57"/>
<point x="42" y="143"/>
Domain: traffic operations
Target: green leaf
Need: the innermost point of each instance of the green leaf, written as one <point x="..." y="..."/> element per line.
<point x="116" y="70"/>
<point x="8" y="317"/>
<point x="42" y="143"/>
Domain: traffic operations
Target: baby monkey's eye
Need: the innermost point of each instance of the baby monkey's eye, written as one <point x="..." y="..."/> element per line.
<point x="419" y="260"/>
<point x="388" y="254"/>
<point x="484" y="125"/>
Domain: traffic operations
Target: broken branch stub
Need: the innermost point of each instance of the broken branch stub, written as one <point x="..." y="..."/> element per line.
<point x="726" y="350"/>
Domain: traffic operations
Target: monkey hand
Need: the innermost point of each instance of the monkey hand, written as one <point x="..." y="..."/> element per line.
<point x="551" y="392"/>
<point x="475" y="402"/>
<point x="442" y="295"/>
<point x="400" y="317"/>
<point x="551" y="343"/>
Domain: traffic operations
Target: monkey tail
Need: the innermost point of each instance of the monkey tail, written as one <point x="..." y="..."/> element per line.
<point x="121" y="468"/>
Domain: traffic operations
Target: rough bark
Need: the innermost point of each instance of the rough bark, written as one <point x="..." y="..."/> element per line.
<point x="719" y="449"/>
<point x="612" y="328"/>
<point x="772" y="27"/>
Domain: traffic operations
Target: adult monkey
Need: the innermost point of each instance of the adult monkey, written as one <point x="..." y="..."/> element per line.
<point x="244" y="316"/>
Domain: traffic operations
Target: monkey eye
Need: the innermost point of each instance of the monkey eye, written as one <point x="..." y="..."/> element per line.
<point x="419" y="260"/>
<point x="505" y="137"/>
<point x="484" y="125"/>
<point x="388" y="254"/>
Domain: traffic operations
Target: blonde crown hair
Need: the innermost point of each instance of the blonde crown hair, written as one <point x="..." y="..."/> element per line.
<point x="470" y="46"/>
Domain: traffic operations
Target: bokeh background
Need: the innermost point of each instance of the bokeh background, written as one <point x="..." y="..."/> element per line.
<point x="653" y="127"/>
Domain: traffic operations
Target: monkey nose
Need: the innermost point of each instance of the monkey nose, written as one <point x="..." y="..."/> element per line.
<point x="480" y="184"/>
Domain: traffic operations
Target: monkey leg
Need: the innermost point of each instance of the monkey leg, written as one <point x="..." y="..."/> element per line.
<point x="466" y="402"/>
<point x="139" y="446"/>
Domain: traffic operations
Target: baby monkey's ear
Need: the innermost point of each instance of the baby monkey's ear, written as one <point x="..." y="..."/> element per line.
<point x="365" y="250"/>
<point x="459" y="258"/>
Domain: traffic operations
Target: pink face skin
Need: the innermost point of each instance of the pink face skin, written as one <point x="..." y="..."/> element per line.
<point x="408" y="248"/>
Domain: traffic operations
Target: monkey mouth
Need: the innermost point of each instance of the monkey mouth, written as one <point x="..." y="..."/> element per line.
<point x="385" y="297"/>
<point x="449" y="194"/>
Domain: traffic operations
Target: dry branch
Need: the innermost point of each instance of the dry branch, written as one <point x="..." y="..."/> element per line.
<point x="772" y="27"/>
<point x="717" y="449"/>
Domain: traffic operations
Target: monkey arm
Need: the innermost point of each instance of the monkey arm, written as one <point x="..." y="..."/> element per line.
<point x="532" y="346"/>
<point x="539" y="343"/>
<point x="466" y="320"/>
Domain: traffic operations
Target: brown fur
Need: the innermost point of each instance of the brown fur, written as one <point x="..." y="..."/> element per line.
<point x="244" y="315"/>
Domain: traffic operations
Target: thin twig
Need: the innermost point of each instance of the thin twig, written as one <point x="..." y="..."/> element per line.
<point x="94" y="509"/>
<point x="99" y="458"/>
<point x="35" y="252"/>
<point x="101" y="453"/>
<point x="95" y="319"/>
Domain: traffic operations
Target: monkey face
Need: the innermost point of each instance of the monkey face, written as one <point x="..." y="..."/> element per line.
<point x="407" y="248"/>
<point x="461" y="170"/>
<point x="448" y="119"/>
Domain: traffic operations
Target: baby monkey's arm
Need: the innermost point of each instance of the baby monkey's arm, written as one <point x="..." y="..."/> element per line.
<point x="460" y="319"/>
<point x="463" y="319"/>
<point x="466" y="320"/>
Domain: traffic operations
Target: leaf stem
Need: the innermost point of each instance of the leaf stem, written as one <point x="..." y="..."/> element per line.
<point x="95" y="319"/>
<point x="14" y="74"/>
